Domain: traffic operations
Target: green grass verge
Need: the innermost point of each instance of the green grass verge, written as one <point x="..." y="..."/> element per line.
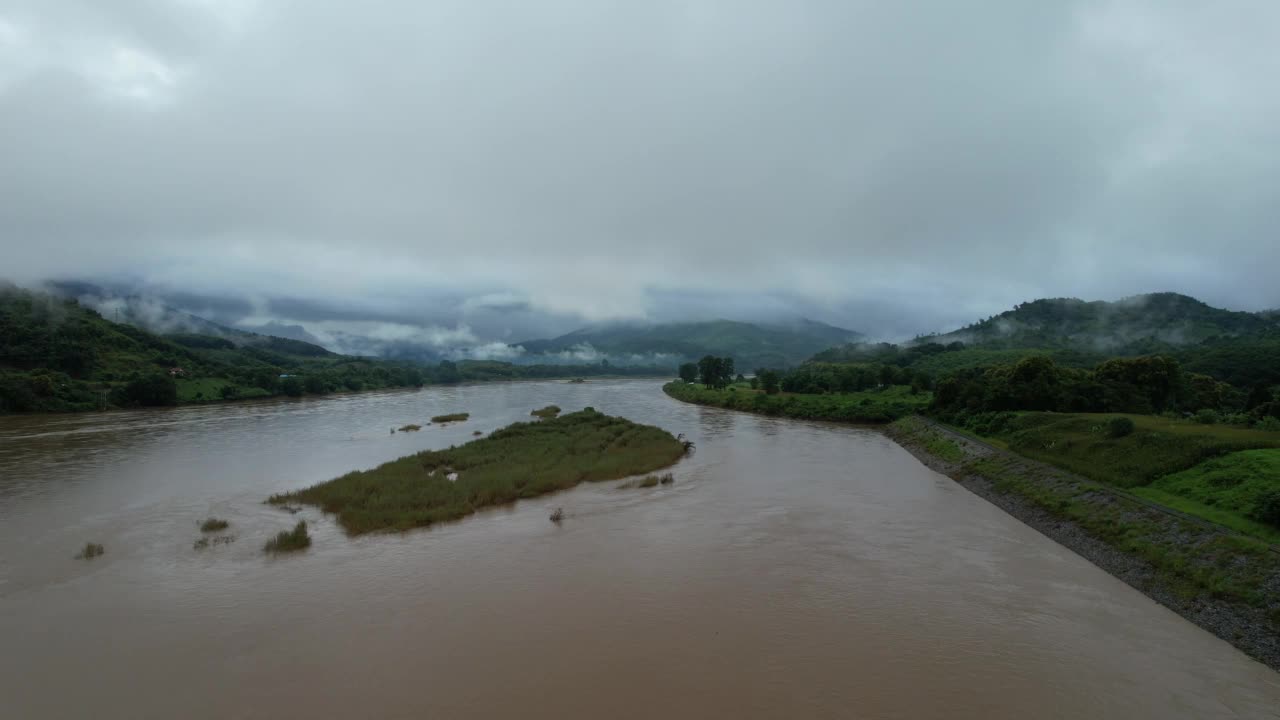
<point x="1157" y="447"/>
<point x="520" y="461"/>
<point x="874" y="406"/>
<point x="1215" y="472"/>
<point x="1237" y="521"/>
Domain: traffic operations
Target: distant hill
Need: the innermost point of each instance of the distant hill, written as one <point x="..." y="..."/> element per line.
<point x="151" y="314"/>
<point x="751" y="345"/>
<point x="1167" y="319"/>
<point x="1240" y="348"/>
<point x="58" y="355"/>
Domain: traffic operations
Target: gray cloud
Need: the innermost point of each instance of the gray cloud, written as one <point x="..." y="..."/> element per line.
<point x="514" y="167"/>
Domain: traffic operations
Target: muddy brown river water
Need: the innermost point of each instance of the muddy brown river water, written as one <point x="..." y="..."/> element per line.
<point x="794" y="570"/>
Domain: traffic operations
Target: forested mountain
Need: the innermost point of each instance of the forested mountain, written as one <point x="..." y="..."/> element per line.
<point x="57" y="355"/>
<point x="1239" y="348"/>
<point x="752" y="345"/>
<point x="1158" y="318"/>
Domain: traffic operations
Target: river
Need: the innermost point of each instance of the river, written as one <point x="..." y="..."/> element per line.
<point x="794" y="570"/>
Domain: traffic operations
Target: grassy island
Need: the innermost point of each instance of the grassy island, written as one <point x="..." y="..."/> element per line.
<point x="452" y="417"/>
<point x="523" y="460"/>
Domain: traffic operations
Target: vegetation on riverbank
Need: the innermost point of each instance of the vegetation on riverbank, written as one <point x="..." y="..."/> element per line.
<point x="1223" y="581"/>
<point x="451" y="417"/>
<point x="519" y="461"/>
<point x="1224" y="474"/>
<point x="290" y="540"/>
<point x="546" y="412"/>
<point x="871" y="406"/>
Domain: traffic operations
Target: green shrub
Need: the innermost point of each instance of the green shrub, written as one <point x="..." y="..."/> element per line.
<point x="1271" y="424"/>
<point x="1267" y="508"/>
<point x="1208" y="416"/>
<point x="1118" y="427"/>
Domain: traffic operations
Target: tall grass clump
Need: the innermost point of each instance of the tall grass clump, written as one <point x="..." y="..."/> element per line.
<point x="452" y="417"/>
<point x="290" y="540"/>
<point x="546" y="412"/>
<point x="523" y="460"/>
<point x="90" y="551"/>
<point x="213" y="525"/>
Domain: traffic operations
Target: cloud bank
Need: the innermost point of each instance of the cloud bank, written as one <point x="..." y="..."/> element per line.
<point x="516" y="168"/>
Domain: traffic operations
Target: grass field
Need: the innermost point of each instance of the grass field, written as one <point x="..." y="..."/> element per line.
<point x="519" y="461"/>
<point x="1216" y="472"/>
<point x="1157" y="447"/>
<point x="872" y="406"/>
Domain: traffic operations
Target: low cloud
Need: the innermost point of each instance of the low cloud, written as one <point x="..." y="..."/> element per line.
<point x="889" y="167"/>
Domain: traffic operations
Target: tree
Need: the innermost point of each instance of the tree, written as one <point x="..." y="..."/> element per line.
<point x="292" y="387"/>
<point x="689" y="372"/>
<point x="709" y="371"/>
<point x="266" y="378"/>
<point x="1259" y="395"/>
<point x="315" y="385"/>
<point x="769" y="380"/>
<point x="447" y="372"/>
<point x="715" y="372"/>
<point x="155" y="389"/>
<point x="1152" y="378"/>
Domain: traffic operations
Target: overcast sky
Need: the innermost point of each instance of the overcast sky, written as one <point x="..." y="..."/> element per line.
<point x="888" y="166"/>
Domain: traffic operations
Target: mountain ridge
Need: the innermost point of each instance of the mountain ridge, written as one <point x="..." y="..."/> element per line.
<point x="751" y="344"/>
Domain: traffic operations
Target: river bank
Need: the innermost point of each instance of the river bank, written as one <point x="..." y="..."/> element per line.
<point x="1220" y="581"/>
<point x="868" y="407"/>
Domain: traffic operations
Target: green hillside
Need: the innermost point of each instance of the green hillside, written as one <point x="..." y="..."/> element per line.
<point x="58" y="356"/>
<point x="1132" y="324"/>
<point x="751" y="345"/>
<point x="1239" y="348"/>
